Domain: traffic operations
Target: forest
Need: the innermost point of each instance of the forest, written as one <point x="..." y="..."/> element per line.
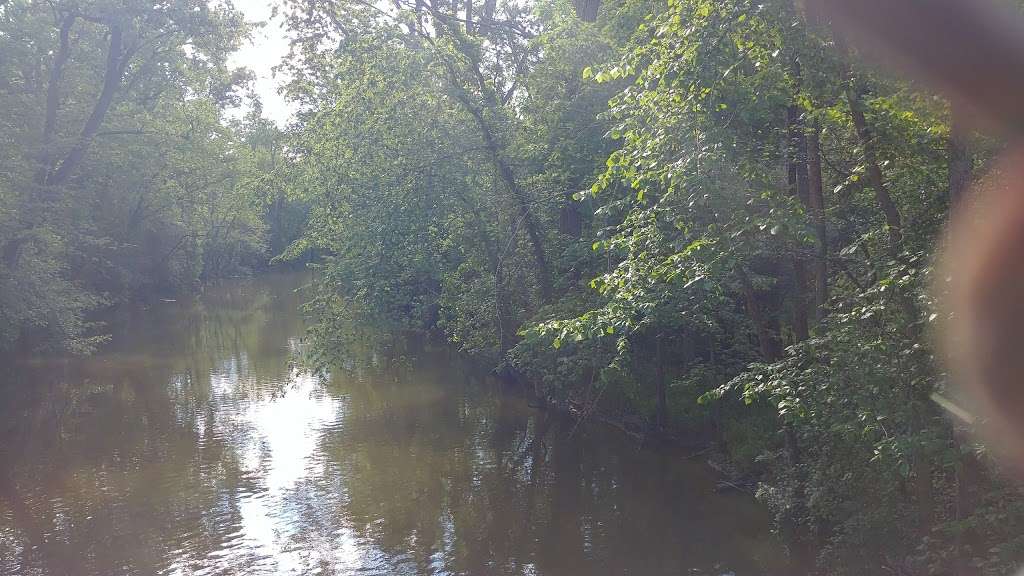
<point x="705" y="222"/>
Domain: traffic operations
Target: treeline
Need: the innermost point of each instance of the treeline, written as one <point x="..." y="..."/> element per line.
<point x="702" y="213"/>
<point x="704" y="218"/>
<point x="122" y="176"/>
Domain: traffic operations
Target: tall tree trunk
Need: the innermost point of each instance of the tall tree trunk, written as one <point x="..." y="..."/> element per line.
<point x="876" y="178"/>
<point x="816" y="203"/>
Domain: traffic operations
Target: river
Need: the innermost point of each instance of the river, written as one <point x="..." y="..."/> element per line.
<point x="192" y="444"/>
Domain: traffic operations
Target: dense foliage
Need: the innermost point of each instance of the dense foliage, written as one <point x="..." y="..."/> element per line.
<point x="702" y="219"/>
<point x="120" y="174"/>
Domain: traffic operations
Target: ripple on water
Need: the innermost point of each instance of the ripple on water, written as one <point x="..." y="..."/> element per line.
<point x="277" y="433"/>
<point x="203" y="452"/>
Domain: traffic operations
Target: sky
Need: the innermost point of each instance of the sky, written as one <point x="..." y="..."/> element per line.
<point x="267" y="47"/>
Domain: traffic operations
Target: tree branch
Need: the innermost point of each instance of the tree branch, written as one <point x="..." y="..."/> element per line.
<point x="111" y="81"/>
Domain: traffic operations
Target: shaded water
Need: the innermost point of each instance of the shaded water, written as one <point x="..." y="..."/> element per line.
<point x="191" y="445"/>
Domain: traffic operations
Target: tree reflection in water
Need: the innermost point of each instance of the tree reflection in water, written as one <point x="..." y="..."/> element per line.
<point x="192" y="445"/>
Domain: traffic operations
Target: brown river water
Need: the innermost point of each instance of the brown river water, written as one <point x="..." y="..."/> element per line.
<point x="191" y="444"/>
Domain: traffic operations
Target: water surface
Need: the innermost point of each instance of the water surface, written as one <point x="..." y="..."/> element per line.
<point x="191" y="444"/>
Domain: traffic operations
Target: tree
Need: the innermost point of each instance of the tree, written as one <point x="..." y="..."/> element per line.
<point x="122" y="178"/>
<point x="650" y="212"/>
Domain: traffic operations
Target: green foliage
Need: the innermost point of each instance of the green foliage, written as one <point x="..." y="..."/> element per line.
<point x="121" y="176"/>
<point x="699" y="216"/>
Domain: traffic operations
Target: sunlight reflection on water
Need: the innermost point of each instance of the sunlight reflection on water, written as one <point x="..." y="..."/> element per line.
<point x="281" y="450"/>
<point x="193" y="446"/>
